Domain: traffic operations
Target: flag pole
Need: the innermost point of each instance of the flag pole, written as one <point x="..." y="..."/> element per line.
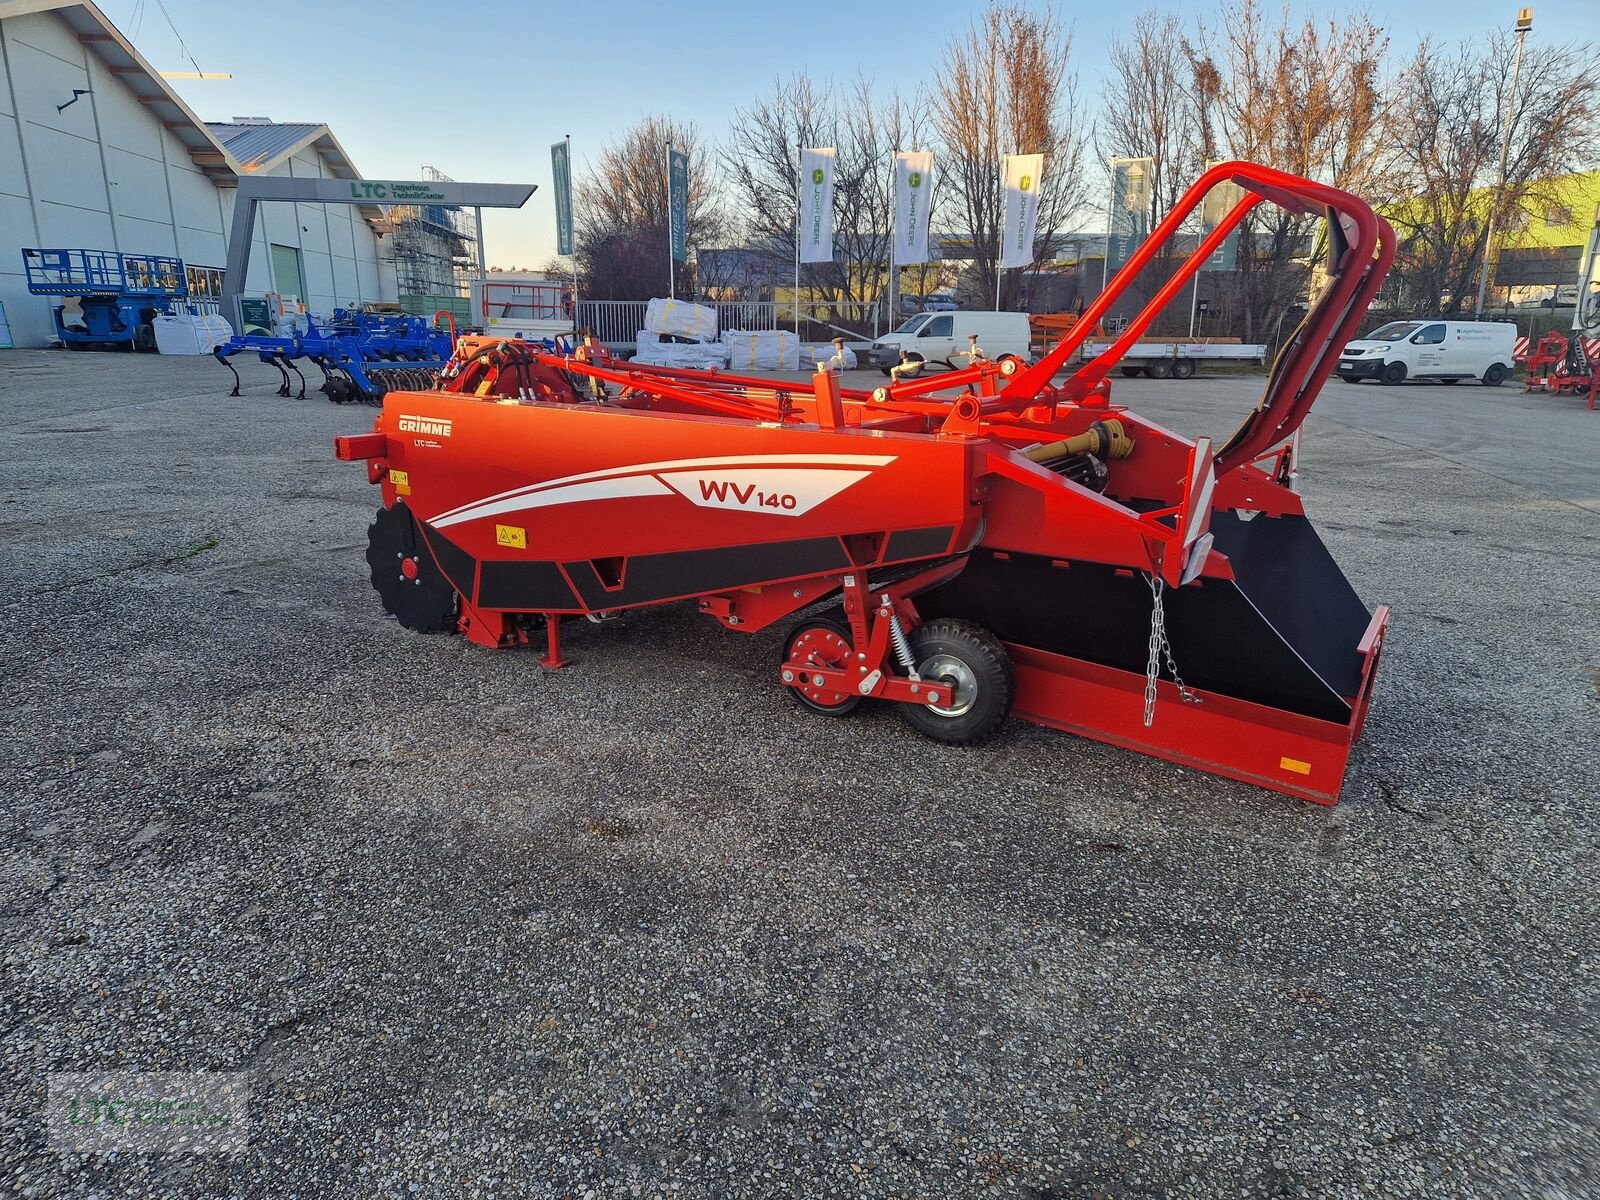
<point x="574" y="240"/>
<point x="672" y="265"/>
<point x="1000" y="236"/>
<point x="799" y="160"/>
<point x="1111" y="205"/>
<point x="894" y="243"/>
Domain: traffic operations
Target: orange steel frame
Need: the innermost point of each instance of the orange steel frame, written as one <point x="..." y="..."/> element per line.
<point x="519" y="452"/>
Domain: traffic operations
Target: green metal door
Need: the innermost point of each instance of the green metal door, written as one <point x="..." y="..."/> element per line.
<point x="286" y="277"/>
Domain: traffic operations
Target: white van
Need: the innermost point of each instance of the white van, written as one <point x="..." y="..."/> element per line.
<point x="1448" y="350"/>
<point x="942" y="337"/>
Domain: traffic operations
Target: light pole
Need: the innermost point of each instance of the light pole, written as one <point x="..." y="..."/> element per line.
<point x="1524" y="24"/>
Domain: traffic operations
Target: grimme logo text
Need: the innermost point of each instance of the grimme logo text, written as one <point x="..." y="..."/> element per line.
<point x="438" y="427"/>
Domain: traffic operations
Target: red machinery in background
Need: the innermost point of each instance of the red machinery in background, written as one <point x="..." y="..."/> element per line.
<point x="994" y="540"/>
<point x="1564" y="366"/>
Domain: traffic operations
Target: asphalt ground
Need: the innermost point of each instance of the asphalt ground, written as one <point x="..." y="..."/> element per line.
<point x="644" y="928"/>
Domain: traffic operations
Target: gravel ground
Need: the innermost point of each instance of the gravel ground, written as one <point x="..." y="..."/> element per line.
<point x="643" y="928"/>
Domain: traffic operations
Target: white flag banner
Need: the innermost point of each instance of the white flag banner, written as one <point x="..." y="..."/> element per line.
<point x="913" y="188"/>
<point x="816" y="204"/>
<point x="1022" y="209"/>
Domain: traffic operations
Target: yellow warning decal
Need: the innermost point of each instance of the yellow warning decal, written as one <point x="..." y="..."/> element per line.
<point x="1295" y="765"/>
<point x="517" y="538"/>
<point x="401" y="481"/>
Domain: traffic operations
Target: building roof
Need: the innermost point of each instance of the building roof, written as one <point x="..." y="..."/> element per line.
<point x="256" y="143"/>
<point x="258" y="146"/>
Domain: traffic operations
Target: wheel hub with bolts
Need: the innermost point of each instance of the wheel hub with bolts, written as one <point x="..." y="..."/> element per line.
<point x="955" y="675"/>
<point x="820" y="643"/>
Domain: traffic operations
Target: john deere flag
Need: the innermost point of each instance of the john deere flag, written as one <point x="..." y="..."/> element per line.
<point x="561" y="169"/>
<point x="1129" y="225"/>
<point x="816" y="204"/>
<point x="1218" y="204"/>
<point x="1022" y="173"/>
<point x="678" y="202"/>
<point x="913" y="186"/>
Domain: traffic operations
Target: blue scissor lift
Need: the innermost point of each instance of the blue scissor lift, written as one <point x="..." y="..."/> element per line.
<point x="108" y="299"/>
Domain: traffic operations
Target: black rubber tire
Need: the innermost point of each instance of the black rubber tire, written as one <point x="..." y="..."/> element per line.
<point x="1351" y="378"/>
<point x="834" y="624"/>
<point x="1183" y="368"/>
<point x="993" y="682"/>
<point x="1159" y="368"/>
<point x="1394" y="372"/>
<point x="1495" y="375"/>
<point x="1131" y="371"/>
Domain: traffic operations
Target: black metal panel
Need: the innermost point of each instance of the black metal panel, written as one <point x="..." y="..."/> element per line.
<point x="1289" y="575"/>
<point x="919" y="543"/>
<point x="650" y="577"/>
<point x="457" y="565"/>
<point x="524" y="586"/>
<point x="1222" y="640"/>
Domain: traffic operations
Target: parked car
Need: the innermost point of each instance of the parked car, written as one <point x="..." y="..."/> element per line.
<point x="1422" y="349"/>
<point x="940" y="302"/>
<point x="942" y="337"/>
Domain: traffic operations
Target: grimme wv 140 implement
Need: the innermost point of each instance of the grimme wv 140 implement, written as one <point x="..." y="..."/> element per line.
<point x="999" y="541"/>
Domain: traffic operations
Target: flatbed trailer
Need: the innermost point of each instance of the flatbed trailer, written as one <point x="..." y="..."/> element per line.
<point x="1177" y="358"/>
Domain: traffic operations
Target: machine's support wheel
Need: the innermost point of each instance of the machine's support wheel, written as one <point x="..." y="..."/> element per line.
<point x="970" y="660"/>
<point x="1131" y="371"/>
<point x="1158" y="368"/>
<point x="824" y="641"/>
<point x="1495" y="375"/>
<point x="1394" y="372"/>
<point x="407" y="579"/>
<point x="1183" y="368"/>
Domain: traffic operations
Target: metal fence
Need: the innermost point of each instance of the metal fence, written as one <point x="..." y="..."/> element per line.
<point x="618" y="322"/>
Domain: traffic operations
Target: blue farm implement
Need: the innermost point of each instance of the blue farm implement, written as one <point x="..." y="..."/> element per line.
<point x="107" y="298"/>
<point x="362" y="355"/>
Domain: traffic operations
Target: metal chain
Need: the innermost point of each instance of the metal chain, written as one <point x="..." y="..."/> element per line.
<point x="1160" y="648"/>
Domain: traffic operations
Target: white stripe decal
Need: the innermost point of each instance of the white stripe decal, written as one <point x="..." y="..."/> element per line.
<point x="598" y="489"/>
<point x="821" y="460"/>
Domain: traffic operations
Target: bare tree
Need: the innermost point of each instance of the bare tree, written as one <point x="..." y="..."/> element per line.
<point x="1148" y="109"/>
<point x="1005" y="87"/>
<point x="621" y="211"/>
<point x="761" y="161"/>
<point x="1448" y="127"/>
<point x="1307" y="98"/>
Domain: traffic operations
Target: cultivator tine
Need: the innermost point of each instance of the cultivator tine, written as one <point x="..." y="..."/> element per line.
<point x="302" y="379"/>
<point x="283" y="388"/>
<point x="221" y="359"/>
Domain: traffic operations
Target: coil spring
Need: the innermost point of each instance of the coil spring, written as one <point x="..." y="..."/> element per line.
<point x="902" y="645"/>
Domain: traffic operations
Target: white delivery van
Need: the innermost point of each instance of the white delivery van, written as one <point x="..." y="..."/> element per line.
<point x="941" y="337"/>
<point x="1447" y="350"/>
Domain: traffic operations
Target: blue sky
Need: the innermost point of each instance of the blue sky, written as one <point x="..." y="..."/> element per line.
<point x="481" y="89"/>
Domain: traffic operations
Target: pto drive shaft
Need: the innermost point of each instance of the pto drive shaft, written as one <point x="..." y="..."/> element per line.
<point x="1107" y="439"/>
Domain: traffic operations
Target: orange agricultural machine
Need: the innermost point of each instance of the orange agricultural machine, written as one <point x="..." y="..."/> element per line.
<point x="1000" y="540"/>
